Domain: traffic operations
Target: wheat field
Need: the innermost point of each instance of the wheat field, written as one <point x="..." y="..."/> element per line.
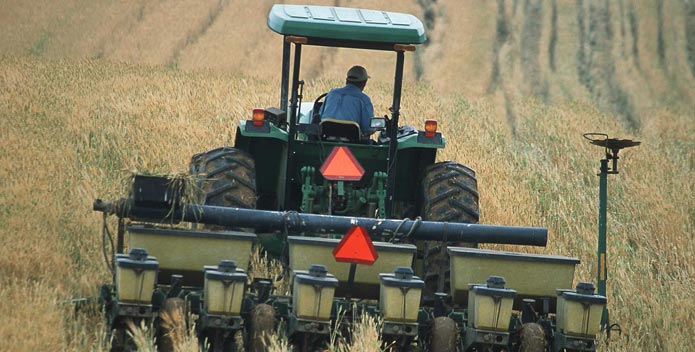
<point x="79" y="114"/>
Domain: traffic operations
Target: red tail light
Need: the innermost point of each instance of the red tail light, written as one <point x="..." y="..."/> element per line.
<point x="258" y="116"/>
<point x="430" y="128"/>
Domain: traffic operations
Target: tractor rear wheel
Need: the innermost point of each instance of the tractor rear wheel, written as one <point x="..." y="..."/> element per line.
<point x="225" y="177"/>
<point x="450" y="194"/>
<point x="444" y="335"/>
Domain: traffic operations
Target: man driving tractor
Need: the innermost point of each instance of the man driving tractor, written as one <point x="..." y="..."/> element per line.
<point x="350" y="103"/>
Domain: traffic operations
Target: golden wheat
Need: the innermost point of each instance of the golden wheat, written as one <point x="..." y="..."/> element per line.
<point x="71" y="129"/>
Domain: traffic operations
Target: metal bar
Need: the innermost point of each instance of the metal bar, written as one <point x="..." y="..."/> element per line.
<point x="120" y="239"/>
<point x="382" y="229"/>
<point x="289" y="169"/>
<point x="351" y="281"/>
<point x="354" y="44"/>
<point x="393" y="131"/>
<point x="285" y="75"/>
<point x="602" y="269"/>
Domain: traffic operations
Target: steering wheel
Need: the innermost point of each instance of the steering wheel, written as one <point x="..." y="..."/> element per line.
<point x="315" y="114"/>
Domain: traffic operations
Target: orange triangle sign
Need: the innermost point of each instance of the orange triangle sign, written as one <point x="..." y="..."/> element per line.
<point x="356" y="247"/>
<point x="341" y="165"/>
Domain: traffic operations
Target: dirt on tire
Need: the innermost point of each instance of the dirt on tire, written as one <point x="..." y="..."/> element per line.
<point x="224" y="177"/>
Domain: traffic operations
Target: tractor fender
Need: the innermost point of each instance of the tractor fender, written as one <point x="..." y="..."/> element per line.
<point x="245" y="129"/>
<point x="418" y="140"/>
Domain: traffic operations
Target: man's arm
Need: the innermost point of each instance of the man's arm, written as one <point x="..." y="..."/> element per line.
<point x="366" y="120"/>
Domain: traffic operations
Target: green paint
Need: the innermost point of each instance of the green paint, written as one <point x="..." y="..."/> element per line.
<point x="346" y="24"/>
<point x="602" y="267"/>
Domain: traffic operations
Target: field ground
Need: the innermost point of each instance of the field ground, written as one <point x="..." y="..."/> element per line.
<point x="72" y="130"/>
<point x="79" y="113"/>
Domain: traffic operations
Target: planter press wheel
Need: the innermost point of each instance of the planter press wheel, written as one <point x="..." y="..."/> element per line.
<point x="175" y="309"/>
<point x="120" y="341"/>
<point x="224" y="342"/>
<point x="532" y="338"/>
<point x="444" y="335"/>
<point x="262" y="326"/>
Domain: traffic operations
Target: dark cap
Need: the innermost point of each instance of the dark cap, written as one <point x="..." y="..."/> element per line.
<point x="357" y="74"/>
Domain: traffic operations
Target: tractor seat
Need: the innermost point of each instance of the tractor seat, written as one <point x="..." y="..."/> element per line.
<point x="340" y="131"/>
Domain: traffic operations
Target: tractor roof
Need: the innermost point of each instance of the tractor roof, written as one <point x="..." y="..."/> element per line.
<point x="349" y="24"/>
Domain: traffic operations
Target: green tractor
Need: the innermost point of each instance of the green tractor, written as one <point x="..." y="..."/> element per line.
<point x="277" y="158"/>
<point x="315" y="195"/>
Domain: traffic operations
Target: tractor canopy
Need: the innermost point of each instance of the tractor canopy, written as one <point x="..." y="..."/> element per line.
<point x="340" y="23"/>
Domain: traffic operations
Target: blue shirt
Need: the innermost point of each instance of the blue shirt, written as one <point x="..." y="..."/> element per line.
<point x="350" y="104"/>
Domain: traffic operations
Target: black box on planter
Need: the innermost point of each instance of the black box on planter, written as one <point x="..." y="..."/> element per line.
<point x="157" y="191"/>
